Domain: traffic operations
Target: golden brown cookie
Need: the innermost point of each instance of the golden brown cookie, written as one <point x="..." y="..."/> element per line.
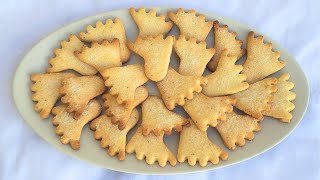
<point x="194" y="146"/>
<point x="78" y="91"/>
<point x="46" y="91"/>
<point x="65" y="59"/>
<point x="174" y="88"/>
<point x="70" y="129"/>
<point x="236" y="128"/>
<point x="150" y="24"/>
<point x="101" y="56"/>
<point x="206" y="111"/>
<point x="282" y="105"/>
<point x="156" y="118"/>
<point x="190" y="24"/>
<point x="193" y="56"/>
<point x="223" y="39"/>
<point x="123" y="81"/>
<point x="261" y="60"/>
<point x="227" y="78"/>
<point x="152" y="147"/>
<point x="156" y="52"/>
<point x="110" y="136"/>
<point x="108" y="31"/>
<point x="256" y="99"/>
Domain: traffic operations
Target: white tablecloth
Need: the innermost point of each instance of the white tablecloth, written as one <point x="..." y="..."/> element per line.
<point x="294" y="24"/>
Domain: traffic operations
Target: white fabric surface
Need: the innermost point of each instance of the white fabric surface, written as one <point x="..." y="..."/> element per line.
<point x="294" y="24"/>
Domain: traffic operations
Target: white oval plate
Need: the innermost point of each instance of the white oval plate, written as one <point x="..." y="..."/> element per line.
<point x="36" y="61"/>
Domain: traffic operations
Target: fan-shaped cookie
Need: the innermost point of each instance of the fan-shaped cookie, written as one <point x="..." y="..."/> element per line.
<point x="190" y="24"/>
<point x="101" y="56"/>
<point x="46" y="91"/>
<point x="257" y="97"/>
<point x="236" y="128"/>
<point x="108" y="31"/>
<point x="174" y="88"/>
<point x="223" y="39"/>
<point x="69" y="128"/>
<point x="261" y="60"/>
<point x="78" y="91"/>
<point x="150" y="24"/>
<point x="123" y="81"/>
<point x="110" y="136"/>
<point x="156" y="52"/>
<point x="152" y="147"/>
<point x="206" y="111"/>
<point x="193" y="56"/>
<point x="194" y="146"/>
<point x="282" y="105"/>
<point x="156" y="118"/>
<point x="119" y="113"/>
<point x="227" y="78"/>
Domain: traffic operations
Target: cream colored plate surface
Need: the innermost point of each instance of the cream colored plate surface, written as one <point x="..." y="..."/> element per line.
<point x="36" y="60"/>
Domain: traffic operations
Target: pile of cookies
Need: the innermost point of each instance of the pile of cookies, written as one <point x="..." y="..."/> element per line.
<point x="81" y="73"/>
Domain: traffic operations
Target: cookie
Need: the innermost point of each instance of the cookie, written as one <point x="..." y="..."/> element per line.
<point x="110" y="136"/>
<point x="194" y="146"/>
<point x="46" y="91"/>
<point x="261" y="60"/>
<point x="282" y="105"/>
<point x="119" y="113"/>
<point x="150" y="24"/>
<point x="156" y="52"/>
<point x="156" y="118"/>
<point x="227" y="78"/>
<point x="152" y="147"/>
<point x="190" y="24"/>
<point x="206" y="111"/>
<point x="123" y="81"/>
<point x="223" y="39"/>
<point x="236" y="128"/>
<point x="174" y="88"/>
<point x="194" y="56"/>
<point x="108" y="31"/>
<point x="78" y="91"/>
<point x="70" y="129"/>
<point x="256" y="99"/>
<point x="65" y="59"/>
<point x="101" y="56"/>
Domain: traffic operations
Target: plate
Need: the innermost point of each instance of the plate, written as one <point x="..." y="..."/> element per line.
<point x="36" y="61"/>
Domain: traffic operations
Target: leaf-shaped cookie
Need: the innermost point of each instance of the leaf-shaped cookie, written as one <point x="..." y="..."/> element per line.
<point x="193" y="56"/>
<point x="190" y="24"/>
<point x="123" y="81"/>
<point x="101" y="56"/>
<point x="261" y="60"/>
<point x="152" y="147"/>
<point x="194" y="146"/>
<point x="46" y="91"/>
<point x="206" y="111"/>
<point x="78" y="91"/>
<point x="108" y="31"/>
<point x="156" y="52"/>
<point x="150" y="24"/>
<point x="223" y="39"/>
<point x="174" y="88"/>
<point x="69" y="128"/>
<point x="119" y="113"/>
<point x="282" y="105"/>
<point x="236" y="128"/>
<point x="227" y="78"/>
<point x="110" y="136"/>
<point x="65" y="59"/>
<point x="257" y="97"/>
<point x="156" y="118"/>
